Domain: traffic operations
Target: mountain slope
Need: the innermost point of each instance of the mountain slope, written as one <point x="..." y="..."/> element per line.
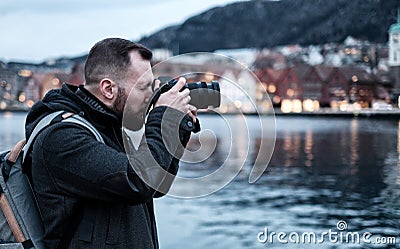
<point x="261" y="23"/>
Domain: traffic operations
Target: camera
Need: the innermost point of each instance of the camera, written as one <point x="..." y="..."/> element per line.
<point x="202" y="94"/>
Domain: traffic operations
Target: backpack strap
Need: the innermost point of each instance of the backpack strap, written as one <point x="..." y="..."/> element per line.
<point x="66" y="117"/>
<point x="14" y="153"/>
<point x="5" y="206"/>
<point x="43" y="123"/>
<point x="12" y="222"/>
<point x="11" y="158"/>
<point x="77" y="119"/>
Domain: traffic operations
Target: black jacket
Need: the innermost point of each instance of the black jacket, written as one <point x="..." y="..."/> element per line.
<point x="80" y="180"/>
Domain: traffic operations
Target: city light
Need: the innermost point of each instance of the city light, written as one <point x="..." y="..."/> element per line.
<point x="30" y="103"/>
<point x="238" y="104"/>
<point x="21" y="98"/>
<point x="297" y="106"/>
<point x="286" y="106"/>
<point x="271" y="88"/>
<point x="55" y="81"/>
<point x="290" y="92"/>
<point x="289" y="105"/>
<point x="308" y="105"/>
<point x="343" y="107"/>
<point x="3" y="105"/>
<point x="25" y="73"/>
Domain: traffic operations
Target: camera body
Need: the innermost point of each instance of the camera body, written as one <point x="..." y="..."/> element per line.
<point x="202" y="94"/>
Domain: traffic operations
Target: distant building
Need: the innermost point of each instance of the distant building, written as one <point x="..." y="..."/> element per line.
<point x="361" y="85"/>
<point x="394" y="43"/>
<point x="38" y="84"/>
<point x="77" y="76"/>
<point x="335" y="88"/>
<point x="394" y="55"/>
<point x="161" y="54"/>
<point x="11" y="85"/>
<point x="302" y="87"/>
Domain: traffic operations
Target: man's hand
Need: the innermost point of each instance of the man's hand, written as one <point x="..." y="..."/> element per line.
<point x="176" y="99"/>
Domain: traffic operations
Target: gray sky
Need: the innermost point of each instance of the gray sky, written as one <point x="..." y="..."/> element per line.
<point x="36" y="30"/>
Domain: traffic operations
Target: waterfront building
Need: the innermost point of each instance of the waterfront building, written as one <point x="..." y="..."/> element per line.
<point x="394" y="56"/>
<point x="11" y="84"/>
<point x="335" y="89"/>
<point x="295" y="78"/>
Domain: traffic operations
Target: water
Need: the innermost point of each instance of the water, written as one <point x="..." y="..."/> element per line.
<point x="322" y="171"/>
<point x="11" y="129"/>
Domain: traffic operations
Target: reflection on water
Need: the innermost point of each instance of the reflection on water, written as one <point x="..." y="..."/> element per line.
<point x="323" y="170"/>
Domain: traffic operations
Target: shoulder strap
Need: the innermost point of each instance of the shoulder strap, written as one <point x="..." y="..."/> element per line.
<point x="38" y="128"/>
<point x="11" y="159"/>
<point x="47" y="120"/>
<point x="82" y="121"/>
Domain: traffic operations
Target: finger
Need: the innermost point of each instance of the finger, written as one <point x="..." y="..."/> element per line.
<point x="193" y="113"/>
<point x="192" y="116"/>
<point x="187" y="99"/>
<point x="178" y="86"/>
<point x="184" y="97"/>
<point x="185" y="92"/>
<point x="192" y="108"/>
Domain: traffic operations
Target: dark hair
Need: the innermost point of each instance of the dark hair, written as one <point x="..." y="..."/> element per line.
<point x="110" y="58"/>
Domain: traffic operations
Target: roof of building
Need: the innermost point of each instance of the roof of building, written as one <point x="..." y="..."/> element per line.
<point x="324" y="71"/>
<point x="395" y="28"/>
<point x="357" y="74"/>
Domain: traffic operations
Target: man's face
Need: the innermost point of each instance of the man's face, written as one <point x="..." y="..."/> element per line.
<point x="135" y="92"/>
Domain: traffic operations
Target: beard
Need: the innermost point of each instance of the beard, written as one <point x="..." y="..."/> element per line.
<point x="130" y="119"/>
<point x="119" y="104"/>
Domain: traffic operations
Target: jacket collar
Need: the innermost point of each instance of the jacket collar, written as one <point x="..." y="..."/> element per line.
<point x="89" y="103"/>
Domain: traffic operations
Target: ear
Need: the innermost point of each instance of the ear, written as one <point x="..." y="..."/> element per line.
<point x="108" y="88"/>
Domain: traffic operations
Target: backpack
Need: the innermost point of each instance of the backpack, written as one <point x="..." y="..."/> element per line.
<point x="20" y="221"/>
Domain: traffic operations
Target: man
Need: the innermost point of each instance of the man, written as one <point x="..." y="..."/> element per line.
<point x="89" y="194"/>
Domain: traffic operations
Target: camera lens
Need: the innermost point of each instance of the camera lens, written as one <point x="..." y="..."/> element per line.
<point x="204" y="95"/>
<point x="216" y="96"/>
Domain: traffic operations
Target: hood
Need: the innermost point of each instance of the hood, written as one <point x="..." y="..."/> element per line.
<point x="72" y="99"/>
